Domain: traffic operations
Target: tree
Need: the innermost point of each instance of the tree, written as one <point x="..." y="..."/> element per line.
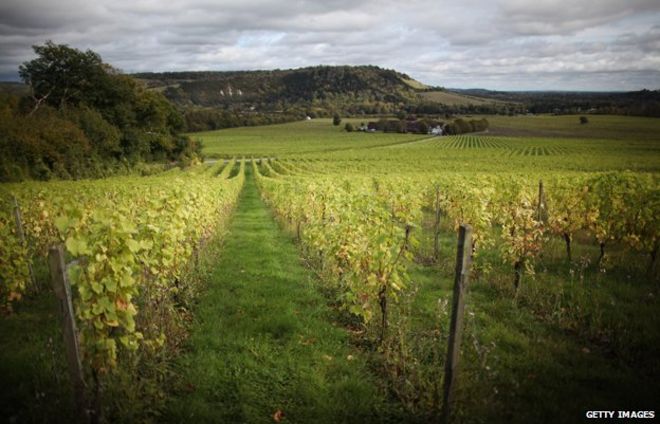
<point x="62" y="75"/>
<point x="462" y="126"/>
<point x="349" y="127"/>
<point x="103" y="137"/>
<point x="450" y="129"/>
<point x="336" y="120"/>
<point x="85" y="116"/>
<point x="479" y="124"/>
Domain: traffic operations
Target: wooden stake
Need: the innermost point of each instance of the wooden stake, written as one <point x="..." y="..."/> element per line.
<point x="436" y="227"/>
<point x="463" y="262"/>
<point x="63" y="292"/>
<point x="542" y="210"/>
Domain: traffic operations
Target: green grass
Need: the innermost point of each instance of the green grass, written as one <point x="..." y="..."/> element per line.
<point x="264" y="340"/>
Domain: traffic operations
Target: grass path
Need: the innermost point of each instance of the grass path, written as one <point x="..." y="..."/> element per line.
<point x="264" y="341"/>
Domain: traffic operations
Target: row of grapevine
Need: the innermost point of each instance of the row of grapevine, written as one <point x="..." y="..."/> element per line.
<point x="509" y="211"/>
<point x="129" y="239"/>
<point x="362" y="228"/>
<point x="350" y="235"/>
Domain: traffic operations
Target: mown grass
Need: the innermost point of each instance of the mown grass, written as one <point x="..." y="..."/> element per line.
<point x="264" y="339"/>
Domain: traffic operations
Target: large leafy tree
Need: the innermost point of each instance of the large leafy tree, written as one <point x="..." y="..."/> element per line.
<point x="62" y="76"/>
<point x="85" y="117"/>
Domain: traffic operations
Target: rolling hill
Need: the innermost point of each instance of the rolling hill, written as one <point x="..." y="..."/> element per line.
<point x="344" y="88"/>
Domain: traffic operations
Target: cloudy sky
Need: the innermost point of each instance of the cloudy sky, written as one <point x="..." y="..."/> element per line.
<point x="495" y="44"/>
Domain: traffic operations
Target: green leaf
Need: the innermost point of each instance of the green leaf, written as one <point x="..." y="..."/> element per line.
<point x="133" y="245"/>
<point x="62" y="223"/>
<point x="77" y="247"/>
<point x="126" y="280"/>
<point x="96" y="287"/>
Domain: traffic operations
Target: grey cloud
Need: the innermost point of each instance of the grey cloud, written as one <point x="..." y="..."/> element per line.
<point x="496" y="44"/>
<point x="648" y="41"/>
<point x="27" y="15"/>
<point x="544" y="17"/>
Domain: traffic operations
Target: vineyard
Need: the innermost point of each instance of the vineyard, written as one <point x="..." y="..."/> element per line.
<point x="562" y="299"/>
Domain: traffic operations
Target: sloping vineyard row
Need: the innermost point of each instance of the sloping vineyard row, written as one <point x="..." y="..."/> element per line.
<point x="129" y="239"/>
<point x="361" y="229"/>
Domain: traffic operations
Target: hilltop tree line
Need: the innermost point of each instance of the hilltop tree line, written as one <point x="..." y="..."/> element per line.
<point x="272" y="90"/>
<point x="83" y="118"/>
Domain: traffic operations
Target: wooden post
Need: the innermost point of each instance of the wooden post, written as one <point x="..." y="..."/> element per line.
<point x="63" y="292"/>
<point x="436" y="227"/>
<point x="21" y="236"/>
<point x="542" y="212"/>
<point x="463" y="261"/>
